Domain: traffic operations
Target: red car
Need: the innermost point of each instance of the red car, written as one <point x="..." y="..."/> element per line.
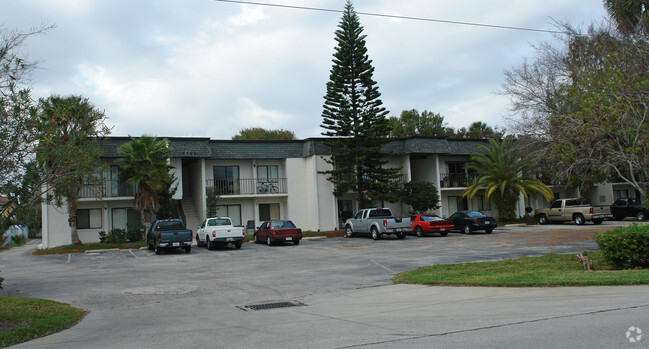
<point x="278" y="231"/>
<point x="430" y="223"/>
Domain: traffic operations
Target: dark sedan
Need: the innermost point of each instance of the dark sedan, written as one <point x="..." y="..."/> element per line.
<point x="470" y="221"/>
<point x="278" y="231"/>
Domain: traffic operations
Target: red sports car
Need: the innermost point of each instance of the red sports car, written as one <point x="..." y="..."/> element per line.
<point x="430" y="223"/>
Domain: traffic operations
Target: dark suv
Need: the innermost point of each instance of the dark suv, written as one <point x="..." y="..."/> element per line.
<point x="629" y="207"/>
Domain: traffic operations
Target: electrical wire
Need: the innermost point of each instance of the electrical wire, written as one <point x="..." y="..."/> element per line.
<point x="493" y="26"/>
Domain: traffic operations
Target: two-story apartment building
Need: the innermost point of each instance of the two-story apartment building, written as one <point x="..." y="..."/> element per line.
<point x="261" y="180"/>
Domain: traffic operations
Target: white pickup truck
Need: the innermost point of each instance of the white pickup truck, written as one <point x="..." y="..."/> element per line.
<point x="219" y="231"/>
<point x="377" y="222"/>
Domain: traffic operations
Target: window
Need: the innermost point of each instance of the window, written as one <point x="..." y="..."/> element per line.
<point x="268" y="212"/>
<point x="556" y="204"/>
<point x="621" y="194"/>
<point x="482" y="203"/>
<point x="89" y="218"/>
<point x="456" y="167"/>
<point x="215" y="222"/>
<point x="231" y="211"/>
<point x="226" y="179"/>
<point x="267" y="173"/>
<point x="125" y="217"/>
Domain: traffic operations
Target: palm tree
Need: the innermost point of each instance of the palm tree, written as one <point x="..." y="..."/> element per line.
<point x="631" y="16"/>
<point x="504" y="174"/>
<point x="145" y="162"/>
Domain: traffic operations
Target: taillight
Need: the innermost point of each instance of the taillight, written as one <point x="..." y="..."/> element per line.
<point x="243" y="231"/>
<point x="159" y="237"/>
<point x="591" y="210"/>
<point x="191" y="235"/>
<point x="476" y="221"/>
<point x="385" y="223"/>
<point x="213" y="234"/>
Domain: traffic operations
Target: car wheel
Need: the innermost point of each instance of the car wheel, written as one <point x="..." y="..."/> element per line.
<point x="401" y="236"/>
<point x="268" y="242"/>
<point x="255" y="239"/>
<point x="375" y="234"/>
<point x="296" y="242"/>
<point x="467" y="229"/>
<point x="208" y="243"/>
<point x="349" y="232"/>
<point x="150" y="247"/>
<point x="489" y="230"/>
<point x="542" y="219"/>
<point x="188" y="249"/>
<point x="641" y="216"/>
<point x="598" y="221"/>
<point x="578" y="219"/>
<point x="443" y="234"/>
<point x="157" y="250"/>
<point x="420" y="232"/>
<point x="237" y="245"/>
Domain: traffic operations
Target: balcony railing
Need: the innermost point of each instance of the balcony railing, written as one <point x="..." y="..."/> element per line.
<point x="456" y="180"/>
<point x="111" y="188"/>
<point x="247" y="186"/>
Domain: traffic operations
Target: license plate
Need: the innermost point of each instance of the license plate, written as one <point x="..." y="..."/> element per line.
<point x="289" y="238"/>
<point x="397" y="230"/>
<point x="487" y="222"/>
<point x="442" y="229"/>
<point x="176" y="244"/>
<point x="229" y="239"/>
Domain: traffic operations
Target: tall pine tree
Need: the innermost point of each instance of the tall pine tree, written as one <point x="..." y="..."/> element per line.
<point x="355" y="119"/>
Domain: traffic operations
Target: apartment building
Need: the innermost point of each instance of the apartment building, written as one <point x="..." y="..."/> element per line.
<point x="261" y="180"/>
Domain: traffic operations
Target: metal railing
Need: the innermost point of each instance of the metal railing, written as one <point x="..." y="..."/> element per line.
<point x="247" y="186"/>
<point x="110" y="188"/>
<point x="456" y="180"/>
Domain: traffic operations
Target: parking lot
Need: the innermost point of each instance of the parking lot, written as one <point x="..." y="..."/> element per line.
<point x="208" y="298"/>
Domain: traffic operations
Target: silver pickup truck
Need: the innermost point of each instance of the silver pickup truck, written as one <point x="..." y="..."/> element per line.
<point x="377" y="222"/>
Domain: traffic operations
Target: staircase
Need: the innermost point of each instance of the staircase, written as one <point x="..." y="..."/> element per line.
<point x="191" y="215"/>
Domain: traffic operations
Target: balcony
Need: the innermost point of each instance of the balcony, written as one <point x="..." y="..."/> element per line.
<point x="109" y="189"/>
<point x="456" y="180"/>
<point x="247" y="186"/>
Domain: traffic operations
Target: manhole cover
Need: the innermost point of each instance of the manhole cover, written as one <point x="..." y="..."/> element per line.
<point x="275" y="305"/>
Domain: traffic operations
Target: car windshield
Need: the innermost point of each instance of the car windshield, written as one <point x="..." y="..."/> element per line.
<point x="475" y="214"/>
<point x="430" y="218"/>
<point x="282" y="225"/>
<point x="170" y="225"/>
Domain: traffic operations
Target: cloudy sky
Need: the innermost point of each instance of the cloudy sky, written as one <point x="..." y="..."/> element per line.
<point x="204" y="68"/>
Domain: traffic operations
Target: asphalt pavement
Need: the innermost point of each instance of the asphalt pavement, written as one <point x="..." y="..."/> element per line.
<point x="327" y="293"/>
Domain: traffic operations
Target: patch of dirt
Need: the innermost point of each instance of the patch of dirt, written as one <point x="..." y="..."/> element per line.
<point x="6" y="325"/>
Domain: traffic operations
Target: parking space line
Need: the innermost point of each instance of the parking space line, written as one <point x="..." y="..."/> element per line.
<point x="382" y="266"/>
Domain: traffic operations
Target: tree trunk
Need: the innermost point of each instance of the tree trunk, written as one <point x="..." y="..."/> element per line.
<point x="72" y="221"/>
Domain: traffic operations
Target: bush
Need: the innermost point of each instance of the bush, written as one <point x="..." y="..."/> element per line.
<point x="625" y="247"/>
<point x="18" y="240"/>
<point x="114" y="236"/>
<point x="135" y="232"/>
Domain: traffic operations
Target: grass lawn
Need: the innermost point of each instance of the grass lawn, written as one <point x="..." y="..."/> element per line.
<point x="65" y="249"/>
<point x="549" y="270"/>
<point x="23" y="319"/>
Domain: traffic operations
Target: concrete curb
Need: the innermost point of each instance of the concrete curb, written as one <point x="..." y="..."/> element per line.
<point x="103" y="250"/>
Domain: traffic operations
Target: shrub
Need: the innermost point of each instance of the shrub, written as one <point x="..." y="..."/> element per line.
<point x="114" y="236"/>
<point x="625" y="247"/>
<point x="135" y="232"/>
<point x="18" y="240"/>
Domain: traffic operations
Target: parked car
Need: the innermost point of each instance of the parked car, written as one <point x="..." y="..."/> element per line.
<point x="168" y="234"/>
<point x="429" y="223"/>
<point x="573" y="209"/>
<point x="278" y="231"/>
<point x="377" y="222"/>
<point x="470" y="221"/>
<point x="629" y="207"/>
<point x="219" y="231"/>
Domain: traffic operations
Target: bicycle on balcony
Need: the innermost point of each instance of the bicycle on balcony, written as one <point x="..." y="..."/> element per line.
<point x="267" y="188"/>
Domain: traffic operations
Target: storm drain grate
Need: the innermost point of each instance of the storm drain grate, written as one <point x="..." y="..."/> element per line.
<point x="275" y="305"/>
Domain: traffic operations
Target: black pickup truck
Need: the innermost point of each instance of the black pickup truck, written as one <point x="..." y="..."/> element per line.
<point x="168" y="234"/>
<point x="629" y="207"/>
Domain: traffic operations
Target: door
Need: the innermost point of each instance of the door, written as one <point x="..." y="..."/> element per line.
<point x="556" y="211"/>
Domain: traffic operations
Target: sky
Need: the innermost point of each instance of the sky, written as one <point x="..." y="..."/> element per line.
<point x="205" y="68"/>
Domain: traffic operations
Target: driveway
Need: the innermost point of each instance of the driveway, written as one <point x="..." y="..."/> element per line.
<point x="325" y="293"/>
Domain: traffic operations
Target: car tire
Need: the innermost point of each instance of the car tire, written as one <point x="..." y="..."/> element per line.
<point x="489" y="230"/>
<point x="349" y="232"/>
<point x="157" y="249"/>
<point x="598" y="221"/>
<point x="640" y="216"/>
<point x="150" y="247"/>
<point x="237" y="245"/>
<point x="542" y="219"/>
<point x="401" y="236"/>
<point x="419" y="232"/>
<point x="443" y="234"/>
<point x="375" y="234"/>
<point x="467" y="229"/>
<point x="578" y="219"/>
<point x="296" y="242"/>
<point x="255" y="239"/>
<point x="268" y="242"/>
<point x="188" y="249"/>
<point x="208" y="243"/>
